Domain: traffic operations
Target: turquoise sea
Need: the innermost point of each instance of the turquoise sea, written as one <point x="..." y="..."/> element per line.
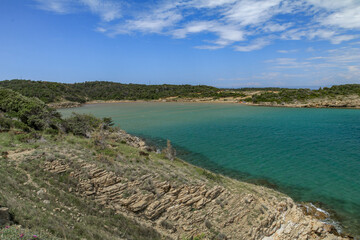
<point x="312" y="155"/>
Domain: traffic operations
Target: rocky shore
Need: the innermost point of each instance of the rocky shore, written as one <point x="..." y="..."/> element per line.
<point x="178" y="200"/>
<point x="193" y="209"/>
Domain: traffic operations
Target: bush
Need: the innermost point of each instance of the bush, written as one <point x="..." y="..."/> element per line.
<point x="5" y="123"/>
<point x="21" y="126"/>
<point x="28" y="137"/>
<point x="81" y="124"/>
<point x="75" y="99"/>
<point x="31" y="111"/>
<point x="107" y="122"/>
<point x="52" y="131"/>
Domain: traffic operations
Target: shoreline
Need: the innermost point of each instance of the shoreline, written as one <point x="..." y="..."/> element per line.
<point x="64" y="105"/>
<point x="315" y="209"/>
<point x="303" y="214"/>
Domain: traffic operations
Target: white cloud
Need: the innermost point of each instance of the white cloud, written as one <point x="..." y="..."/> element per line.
<point x="156" y="19"/>
<point x="288" y="51"/>
<point x="343" y="55"/>
<point x="209" y="47"/>
<point x="287" y="63"/>
<point x="107" y="10"/>
<point x="101" y="29"/>
<point x="276" y="27"/>
<point x="210" y="3"/>
<point x="310" y="49"/>
<point x="344" y="13"/>
<point x="334" y="36"/>
<point x="58" y="6"/>
<point x="248" y="12"/>
<point x="227" y="34"/>
<point x="346" y="18"/>
<point x="231" y="22"/>
<point x="256" y="45"/>
<point x="354" y="69"/>
<point x="342" y="38"/>
<point x="344" y="58"/>
<point x="154" y="23"/>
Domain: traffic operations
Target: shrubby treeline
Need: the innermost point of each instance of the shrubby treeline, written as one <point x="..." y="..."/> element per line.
<point x="292" y="95"/>
<point x="45" y="91"/>
<point x="31" y="114"/>
<point x="50" y="92"/>
<point x="81" y="92"/>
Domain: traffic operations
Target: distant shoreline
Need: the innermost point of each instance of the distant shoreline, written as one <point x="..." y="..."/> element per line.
<point x="62" y="105"/>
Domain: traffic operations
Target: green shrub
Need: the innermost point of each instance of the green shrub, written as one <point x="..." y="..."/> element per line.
<point x="107" y="122"/>
<point x="5" y="123"/>
<point x="31" y="111"/>
<point x="81" y="124"/>
<point x="28" y="137"/>
<point x="21" y="126"/>
<point x="52" y="131"/>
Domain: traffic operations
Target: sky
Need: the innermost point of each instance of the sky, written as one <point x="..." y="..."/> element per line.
<point x="223" y="43"/>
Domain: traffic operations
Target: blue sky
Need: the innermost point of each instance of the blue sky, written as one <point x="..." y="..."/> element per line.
<point x="224" y="43"/>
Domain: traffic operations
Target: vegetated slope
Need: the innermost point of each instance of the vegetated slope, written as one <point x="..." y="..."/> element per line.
<point x="45" y="91"/>
<point x="347" y="95"/>
<point x="83" y="178"/>
<point x="42" y="203"/>
<point x="81" y="92"/>
<point x="340" y="93"/>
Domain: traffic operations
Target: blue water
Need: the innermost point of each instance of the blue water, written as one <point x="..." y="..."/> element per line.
<point x="312" y="155"/>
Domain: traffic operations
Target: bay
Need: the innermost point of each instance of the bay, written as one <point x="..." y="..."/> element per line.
<point x="313" y="155"/>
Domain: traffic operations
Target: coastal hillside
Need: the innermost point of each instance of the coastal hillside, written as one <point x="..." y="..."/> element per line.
<point x="336" y="96"/>
<point x="50" y="92"/>
<point x="71" y="95"/>
<point x="83" y="178"/>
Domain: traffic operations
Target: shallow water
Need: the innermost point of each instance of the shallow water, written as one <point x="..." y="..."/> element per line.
<point x="310" y="154"/>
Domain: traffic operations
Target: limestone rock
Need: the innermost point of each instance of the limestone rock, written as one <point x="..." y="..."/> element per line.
<point x="181" y="209"/>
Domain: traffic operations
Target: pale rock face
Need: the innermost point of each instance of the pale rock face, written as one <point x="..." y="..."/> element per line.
<point x="188" y="207"/>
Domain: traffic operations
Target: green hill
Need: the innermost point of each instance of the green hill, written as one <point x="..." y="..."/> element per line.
<point x="81" y="92"/>
<point x="51" y="92"/>
<point x="292" y="95"/>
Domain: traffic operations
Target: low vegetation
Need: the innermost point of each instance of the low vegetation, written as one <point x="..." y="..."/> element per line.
<point x="31" y="114"/>
<point x="17" y="232"/>
<point x="50" y="92"/>
<point x="40" y="203"/>
<point x="292" y="95"/>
